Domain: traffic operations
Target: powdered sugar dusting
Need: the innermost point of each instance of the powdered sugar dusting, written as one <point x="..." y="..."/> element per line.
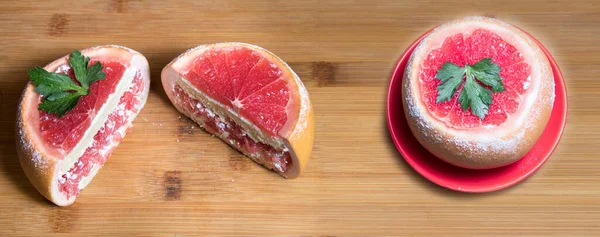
<point x="527" y="83"/>
<point x="63" y="69"/>
<point x="38" y="161"/>
<point x="305" y="108"/>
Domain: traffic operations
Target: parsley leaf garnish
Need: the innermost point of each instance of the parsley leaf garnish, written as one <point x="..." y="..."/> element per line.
<point x="473" y="94"/>
<point x="59" y="92"/>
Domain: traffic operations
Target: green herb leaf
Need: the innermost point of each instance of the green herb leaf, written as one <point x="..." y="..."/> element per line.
<point x="473" y="94"/>
<point x="59" y="92"/>
<point x="47" y="83"/>
<point x="477" y="97"/>
<point x="488" y="73"/>
<point x="86" y="76"/>
<point x="60" y="103"/>
<point x="451" y="76"/>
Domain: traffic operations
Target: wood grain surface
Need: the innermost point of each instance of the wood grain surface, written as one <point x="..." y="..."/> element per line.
<point x="169" y="178"/>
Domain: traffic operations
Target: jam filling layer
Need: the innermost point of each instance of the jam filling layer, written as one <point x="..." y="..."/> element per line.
<point x="105" y="141"/>
<point x="232" y="133"/>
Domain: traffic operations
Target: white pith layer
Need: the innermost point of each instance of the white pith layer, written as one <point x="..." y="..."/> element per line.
<point x="96" y="167"/>
<point x="223" y="111"/>
<point x="222" y="123"/>
<point x="139" y="67"/>
<point x="98" y="121"/>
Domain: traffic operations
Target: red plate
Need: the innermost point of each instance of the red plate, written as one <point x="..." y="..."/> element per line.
<point x="466" y="180"/>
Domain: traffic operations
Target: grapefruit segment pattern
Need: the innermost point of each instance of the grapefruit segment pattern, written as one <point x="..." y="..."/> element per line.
<point x="461" y="49"/>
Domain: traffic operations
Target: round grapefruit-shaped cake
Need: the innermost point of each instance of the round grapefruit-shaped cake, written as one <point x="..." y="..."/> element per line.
<point x="478" y="92"/>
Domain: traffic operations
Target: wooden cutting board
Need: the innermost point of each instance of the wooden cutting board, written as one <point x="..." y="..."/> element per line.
<point x="169" y="178"/>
